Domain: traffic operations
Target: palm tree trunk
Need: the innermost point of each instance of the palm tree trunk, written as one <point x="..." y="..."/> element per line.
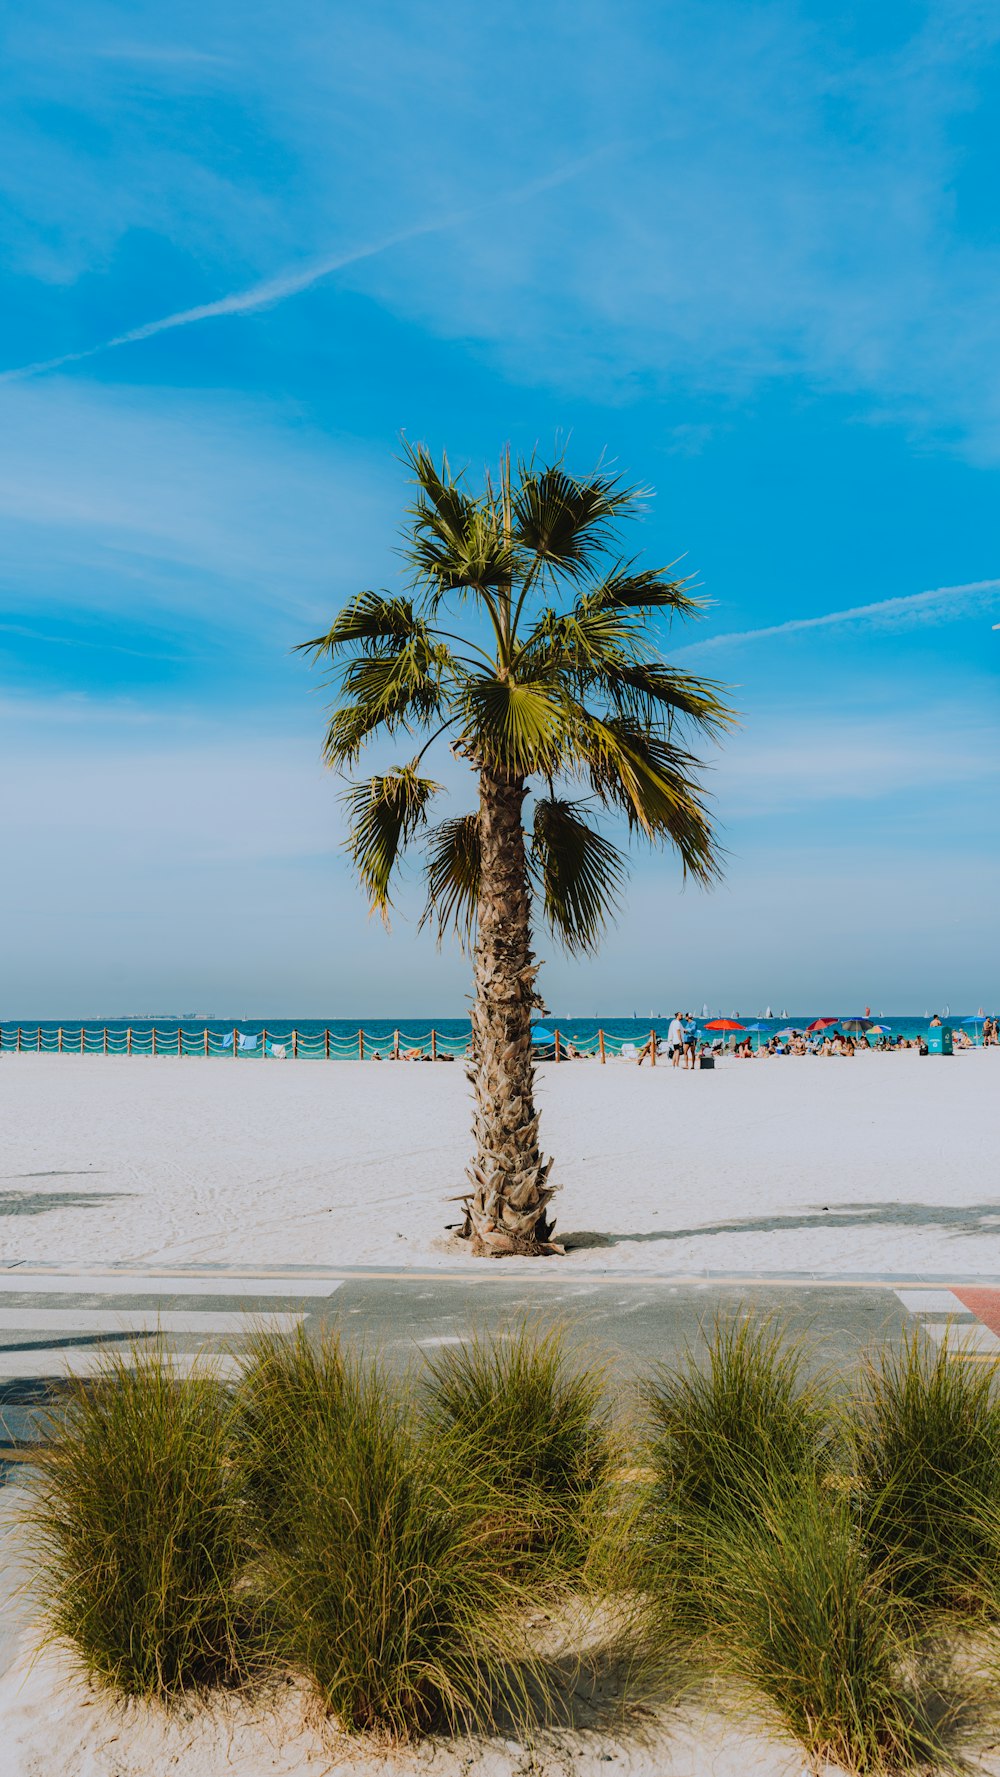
<point x="507" y="1212"/>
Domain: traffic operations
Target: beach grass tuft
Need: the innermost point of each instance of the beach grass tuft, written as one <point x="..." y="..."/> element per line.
<point x="538" y="1430"/>
<point x="758" y="1567"/>
<point x="136" y="1533"/>
<point x="385" y="1564"/>
<point x="924" y="1431"/>
<point x="805" y="1624"/>
<point x="734" y="1427"/>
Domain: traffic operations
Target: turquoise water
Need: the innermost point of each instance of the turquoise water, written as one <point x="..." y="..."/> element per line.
<point x="311" y="1038"/>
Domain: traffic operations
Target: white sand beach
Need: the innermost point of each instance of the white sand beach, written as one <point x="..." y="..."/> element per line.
<point x="53" y="1722"/>
<point x="882" y="1164"/>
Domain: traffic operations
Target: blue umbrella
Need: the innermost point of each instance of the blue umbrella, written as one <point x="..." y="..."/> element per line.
<point x="971" y="1021"/>
<point x="539" y="1034"/>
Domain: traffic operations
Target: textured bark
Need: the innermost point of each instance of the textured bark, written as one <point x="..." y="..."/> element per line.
<point x="507" y="1211"/>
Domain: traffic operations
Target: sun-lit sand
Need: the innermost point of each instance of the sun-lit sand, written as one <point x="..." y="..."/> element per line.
<point x="885" y="1163"/>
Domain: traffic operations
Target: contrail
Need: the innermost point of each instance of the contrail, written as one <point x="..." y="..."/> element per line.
<point x="883" y="611"/>
<point x="292" y="282"/>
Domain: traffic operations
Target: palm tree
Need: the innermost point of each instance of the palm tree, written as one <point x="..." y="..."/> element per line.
<point x="529" y="646"/>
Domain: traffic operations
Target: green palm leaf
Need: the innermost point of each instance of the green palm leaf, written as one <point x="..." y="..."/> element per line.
<point x="456" y="543"/>
<point x="656" y="784"/>
<point x="373" y="617"/>
<point x="514" y="728"/>
<point x="580" y="873"/>
<point x="565" y="523"/>
<point x="452" y="873"/>
<point x="384" y="813"/>
<point x="624" y="590"/>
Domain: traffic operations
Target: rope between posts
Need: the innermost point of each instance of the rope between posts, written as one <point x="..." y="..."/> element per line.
<point x="164" y="1041"/>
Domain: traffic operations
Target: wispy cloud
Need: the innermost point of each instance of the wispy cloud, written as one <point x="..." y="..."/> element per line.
<point x="293" y="281"/>
<point x="936" y="605"/>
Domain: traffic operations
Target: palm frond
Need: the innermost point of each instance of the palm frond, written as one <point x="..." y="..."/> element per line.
<point x="598" y="650"/>
<point x="372" y="617"/>
<point x="626" y="590"/>
<point x="516" y="728"/>
<point x="655" y="783"/>
<point x="650" y="692"/>
<point x="452" y="871"/>
<point x="390" y="691"/>
<point x="384" y="813"/>
<point x="455" y="541"/>
<point x="580" y="873"/>
<point x="565" y="522"/>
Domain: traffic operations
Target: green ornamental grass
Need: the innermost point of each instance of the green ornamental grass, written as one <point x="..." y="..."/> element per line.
<point x="136" y="1532"/>
<point x="805" y="1625"/>
<point x="733" y="1430"/>
<point x="538" y="1430"/>
<point x="925" y="1436"/>
<point x="384" y="1564"/>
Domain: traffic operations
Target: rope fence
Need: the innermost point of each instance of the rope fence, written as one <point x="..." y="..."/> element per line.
<point x="294" y="1045"/>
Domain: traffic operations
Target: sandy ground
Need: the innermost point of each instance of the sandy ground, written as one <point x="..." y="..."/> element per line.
<point x="52" y="1722"/>
<point x="886" y="1163"/>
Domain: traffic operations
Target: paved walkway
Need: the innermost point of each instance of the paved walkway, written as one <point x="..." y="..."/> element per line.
<point x="54" y="1320"/>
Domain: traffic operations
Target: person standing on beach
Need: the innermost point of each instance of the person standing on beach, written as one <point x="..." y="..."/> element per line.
<point x="690" y="1042"/>
<point x="675" y="1040"/>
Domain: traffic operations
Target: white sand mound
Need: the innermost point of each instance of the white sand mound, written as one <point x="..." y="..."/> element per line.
<point x="51" y="1723"/>
<point x="883" y="1163"/>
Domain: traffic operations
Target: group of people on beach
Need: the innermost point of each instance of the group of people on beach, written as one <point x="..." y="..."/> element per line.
<point x="684" y="1049"/>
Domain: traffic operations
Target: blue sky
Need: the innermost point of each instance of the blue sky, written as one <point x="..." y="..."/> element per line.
<point x="750" y="251"/>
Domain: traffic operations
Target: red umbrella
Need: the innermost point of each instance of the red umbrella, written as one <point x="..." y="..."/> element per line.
<point x="820" y="1024"/>
<point x="724" y="1024"/>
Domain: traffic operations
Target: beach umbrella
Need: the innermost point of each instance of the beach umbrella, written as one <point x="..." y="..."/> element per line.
<point x="757" y="1028"/>
<point x="724" y="1024"/>
<point x="819" y="1024"/>
<point x="539" y="1034"/>
<point x="854" y="1025"/>
<point x="975" y="1020"/>
<point x="880" y="1029"/>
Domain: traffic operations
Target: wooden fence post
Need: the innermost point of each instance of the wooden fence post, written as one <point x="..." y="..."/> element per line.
<point x="83" y="1040"/>
<point x="235" y="1042"/>
<point x="180" y="1041"/>
<point x="434" y="1044"/>
<point x="152" y="1039"/>
<point x="295" y="1045"/>
<point x="395" y="1045"/>
<point x="205" y="1035"/>
<point x="558" y="1049"/>
<point x="361" y="1045"/>
<point x="652" y="1048"/>
<point x="600" y="1045"/>
<point x="39" y="1039"/>
<point x="128" y="1041"/>
<point x="105" y="1039"/>
<point x="328" y="1043"/>
<point x="59" y="1040"/>
<point x="19" y="1039"/>
<point x="263" y="1044"/>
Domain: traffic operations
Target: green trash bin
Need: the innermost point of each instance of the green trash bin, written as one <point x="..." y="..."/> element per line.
<point x="939" y="1040"/>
